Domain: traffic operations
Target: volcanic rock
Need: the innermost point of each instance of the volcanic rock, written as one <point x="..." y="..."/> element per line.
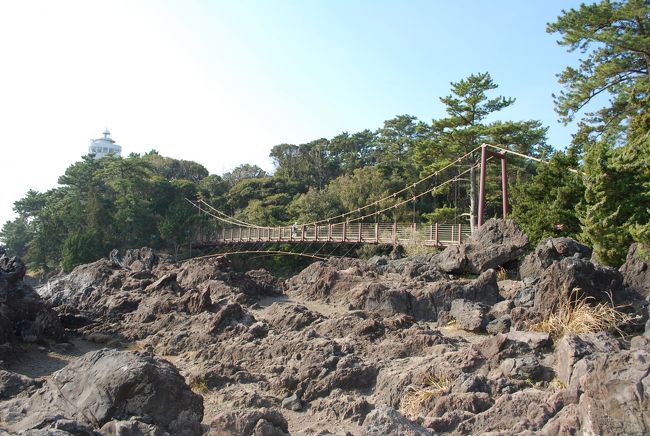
<point x="636" y="269"/>
<point x="469" y="315"/>
<point x="386" y="420"/>
<point x="260" y="422"/>
<point x="600" y="283"/>
<point x="548" y="251"/>
<point x="496" y="243"/>
<point x="106" y="385"/>
<point x="24" y="315"/>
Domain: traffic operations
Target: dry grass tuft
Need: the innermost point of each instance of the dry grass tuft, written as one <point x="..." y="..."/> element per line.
<point x="413" y="248"/>
<point x="575" y="314"/>
<point x="502" y="274"/>
<point x="412" y="402"/>
<point x="133" y="346"/>
<point x="556" y="385"/>
<point x="199" y="386"/>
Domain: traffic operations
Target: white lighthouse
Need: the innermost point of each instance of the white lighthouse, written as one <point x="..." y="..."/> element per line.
<point x="103" y="146"/>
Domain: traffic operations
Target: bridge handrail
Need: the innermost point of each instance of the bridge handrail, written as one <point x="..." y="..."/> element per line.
<point x="354" y="232"/>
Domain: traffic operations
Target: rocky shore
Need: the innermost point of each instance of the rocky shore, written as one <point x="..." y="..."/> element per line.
<point x="446" y="343"/>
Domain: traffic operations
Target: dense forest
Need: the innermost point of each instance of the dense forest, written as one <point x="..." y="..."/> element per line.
<point x="597" y="188"/>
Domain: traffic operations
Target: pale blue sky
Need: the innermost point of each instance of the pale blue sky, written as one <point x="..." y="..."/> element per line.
<point x="221" y="82"/>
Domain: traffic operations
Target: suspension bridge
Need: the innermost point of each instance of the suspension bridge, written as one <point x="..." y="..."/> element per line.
<point x="362" y="225"/>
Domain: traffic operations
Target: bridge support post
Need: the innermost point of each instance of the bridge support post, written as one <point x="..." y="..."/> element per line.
<point x="376" y="233"/>
<point x="394" y="235"/>
<point x="302" y="233"/>
<point x="315" y="232"/>
<point x="504" y="185"/>
<point x="329" y="232"/>
<point x="481" y="189"/>
<point x="437" y="242"/>
<point x="345" y="232"/>
<point x="504" y="182"/>
<point x="359" y="234"/>
<point x="460" y="233"/>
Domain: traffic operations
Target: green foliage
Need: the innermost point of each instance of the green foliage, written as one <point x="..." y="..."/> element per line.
<point x="611" y="219"/>
<point x="309" y="165"/>
<point x="107" y="203"/>
<point x="242" y="172"/>
<point x="465" y="128"/>
<point x="80" y="247"/>
<point x="615" y="40"/>
<point x="15" y="236"/>
<point x="396" y="139"/>
<point x="270" y="191"/>
<point x="546" y="205"/>
<point x="173" y="169"/>
<point x="441" y="215"/>
<point x="350" y="152"/>
<point x="315" y="205"/>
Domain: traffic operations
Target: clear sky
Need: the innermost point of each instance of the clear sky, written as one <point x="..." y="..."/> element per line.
<point x="221" y="82"/>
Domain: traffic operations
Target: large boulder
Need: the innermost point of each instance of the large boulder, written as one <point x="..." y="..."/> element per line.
<point x="24" y="316"/>
<point x="469" y="315"/>
<point x="12" y="270"/>
<point x="388" y="421"/>
<point x="106" y="385"/>
<point x="250" y="422"/>
<point x="497" y="242"/>
<point x="571" y="348"/>
<point x="548" y="251"/>
<point x="601" y="283"/>
<point x="12" y="384"/>
<point x="431" y="301"/>
<point x="636" y="269"/>
<point x="614" y="390"/>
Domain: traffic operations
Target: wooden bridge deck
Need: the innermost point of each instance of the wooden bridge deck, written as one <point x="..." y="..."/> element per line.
<point x="355" y="233"/>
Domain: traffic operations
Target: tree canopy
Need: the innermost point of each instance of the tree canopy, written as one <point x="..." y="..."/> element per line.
<point x="583" y="192"/>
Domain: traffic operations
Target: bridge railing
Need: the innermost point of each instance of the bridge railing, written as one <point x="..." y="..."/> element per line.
<point x="355" y="232"/>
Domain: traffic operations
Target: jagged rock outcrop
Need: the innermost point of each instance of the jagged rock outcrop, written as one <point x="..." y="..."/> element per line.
<point x="261" y="422"/>
<point x="496" y="243"/>
<point x="548" y="251"/>
<point x="109" y="385"/>
<point x="386" y="420"/>
<point x="346" y="344"/>
<point x="469" y="315"/>
<point x="603" y="284"/>
<point x="24" y="315"/>
<point x="636" y="269"/>
<point x="365" y="287"/>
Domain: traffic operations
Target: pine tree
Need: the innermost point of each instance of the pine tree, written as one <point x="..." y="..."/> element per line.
<point x="615" y="39"/>
<point x="546" y="205"/>
<point x="465" y="128"/>
<point x="617" y="199"/>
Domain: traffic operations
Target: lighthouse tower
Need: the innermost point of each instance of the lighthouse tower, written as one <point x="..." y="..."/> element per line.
<point x="103" y="146"/>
